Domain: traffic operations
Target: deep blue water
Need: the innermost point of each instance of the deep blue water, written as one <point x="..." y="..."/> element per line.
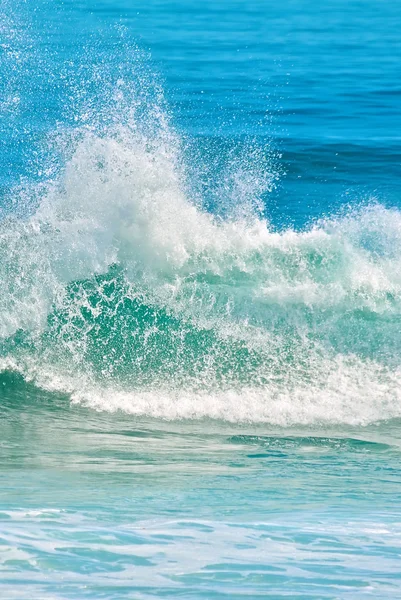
<point x="200" y="301"/>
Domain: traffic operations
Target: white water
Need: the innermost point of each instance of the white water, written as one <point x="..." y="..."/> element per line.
<point x="294" y="299"/>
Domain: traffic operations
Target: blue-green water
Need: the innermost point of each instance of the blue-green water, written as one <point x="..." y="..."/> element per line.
<point x="200" y="304"/>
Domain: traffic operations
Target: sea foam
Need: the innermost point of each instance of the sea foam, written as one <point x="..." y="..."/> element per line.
<point x="120" y="289"/>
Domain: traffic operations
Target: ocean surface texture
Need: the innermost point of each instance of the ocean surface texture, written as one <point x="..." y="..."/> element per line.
<point x="200" y="299"/>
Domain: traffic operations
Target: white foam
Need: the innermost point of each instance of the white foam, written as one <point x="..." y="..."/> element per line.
<point x="122" y="199"/>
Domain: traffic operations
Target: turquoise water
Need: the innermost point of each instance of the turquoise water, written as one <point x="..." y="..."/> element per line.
<point x="200" y="306"/>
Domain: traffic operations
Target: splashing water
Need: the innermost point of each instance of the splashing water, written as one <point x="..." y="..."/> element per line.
<point x="196" y="399"/>
<point x="122" y="290"/>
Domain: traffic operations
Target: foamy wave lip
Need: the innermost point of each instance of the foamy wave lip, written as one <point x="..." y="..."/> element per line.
<point x="356" y="394"/>
<point x="349" y="392"/>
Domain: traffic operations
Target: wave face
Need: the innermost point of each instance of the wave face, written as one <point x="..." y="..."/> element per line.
<point x="121" y="290"/>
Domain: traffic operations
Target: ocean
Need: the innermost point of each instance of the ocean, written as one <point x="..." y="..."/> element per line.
<point x="200" y="299"/>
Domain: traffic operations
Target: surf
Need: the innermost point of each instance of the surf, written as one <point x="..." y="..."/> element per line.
<point x="122" y="292"/>
<point x="128" y="283"/>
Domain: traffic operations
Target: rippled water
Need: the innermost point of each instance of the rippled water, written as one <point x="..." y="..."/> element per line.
<point x="101" y="506"/>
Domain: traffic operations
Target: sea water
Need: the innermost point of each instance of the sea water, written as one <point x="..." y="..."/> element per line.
<point x="200" y="302"/>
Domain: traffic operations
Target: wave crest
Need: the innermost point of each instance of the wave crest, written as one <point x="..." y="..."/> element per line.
<point x="121" y="291"/>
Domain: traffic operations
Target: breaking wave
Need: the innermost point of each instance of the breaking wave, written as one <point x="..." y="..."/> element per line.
<point x="120" y="289"/>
